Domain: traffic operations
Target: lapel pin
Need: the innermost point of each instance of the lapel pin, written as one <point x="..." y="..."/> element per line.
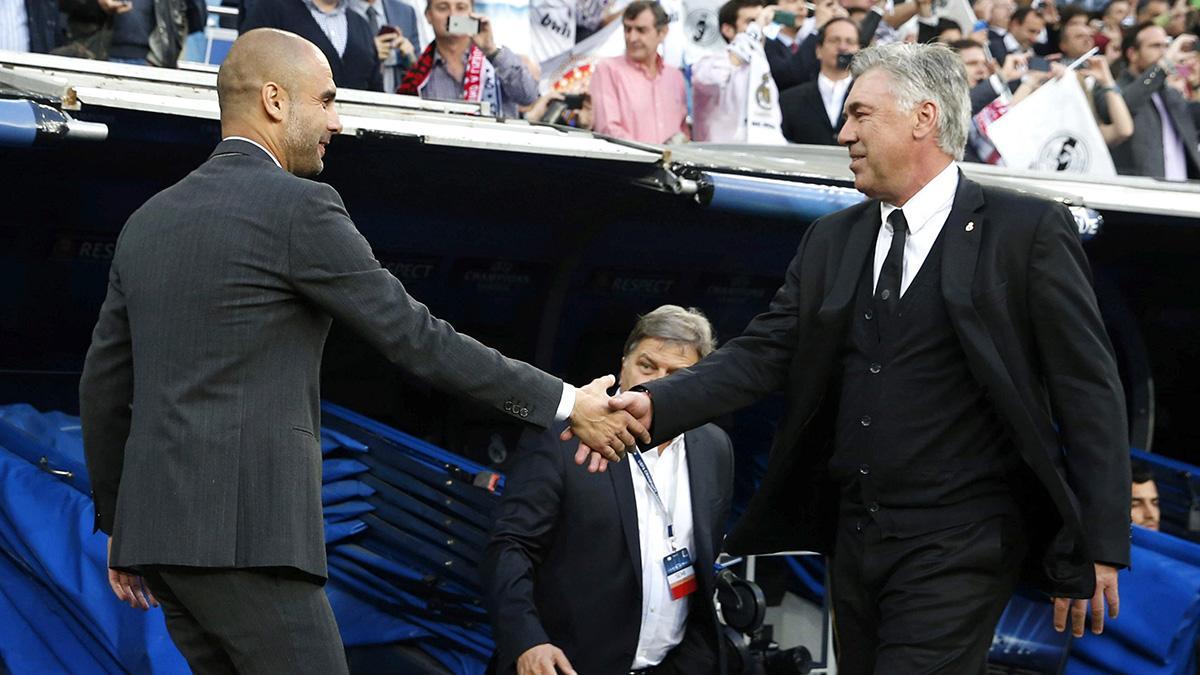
<point x="970" y="226"/>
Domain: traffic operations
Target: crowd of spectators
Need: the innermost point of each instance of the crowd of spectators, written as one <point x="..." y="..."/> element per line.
<point x="781" y="76"/>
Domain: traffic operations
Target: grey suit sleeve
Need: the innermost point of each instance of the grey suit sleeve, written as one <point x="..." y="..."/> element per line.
<point x="1086" y="396"/>
<point x="105" y="396"/>
<point x="516" y="83"/>
<point x="331" y="264"/>
<point x="1138" y="90"/>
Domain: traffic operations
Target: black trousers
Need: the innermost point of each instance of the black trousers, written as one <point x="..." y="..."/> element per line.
<point x="248" y="620"/>
<point x="924" y="604"/>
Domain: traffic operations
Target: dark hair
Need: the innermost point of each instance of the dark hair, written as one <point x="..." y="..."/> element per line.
<point x="967" y="43"/>
<point x="1130" y="39"/>
<point x="1108" y="5"/>
<point x="1019" y="15"/>
<point x="635" y="9"/>
<point x="1070" y="12"/>
<point x="728" y="13"/>
<point x="841" y="19"/>
<point x="1141" y="472"/>
<point x="945" y="24"/>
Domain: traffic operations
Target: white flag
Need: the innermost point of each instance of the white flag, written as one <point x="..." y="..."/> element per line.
<point x="1053" y="130"/>
<point x="510" y="22"/>
<point x="958" y="11"/>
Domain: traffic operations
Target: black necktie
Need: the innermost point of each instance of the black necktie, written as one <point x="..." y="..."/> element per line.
<point x="887" y="291"/>
<point x="373" y="20"/>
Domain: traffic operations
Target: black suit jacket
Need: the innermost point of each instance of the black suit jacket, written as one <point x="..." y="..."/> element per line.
<point x="804" y="118"/>
<point x="564" y="557"/>
<point x="358" y="65"/>
<point x="997" y="47"/>
<point x="200" y="396"/>
<point x="788" y="69"/>
<point x="1018" y="290"/>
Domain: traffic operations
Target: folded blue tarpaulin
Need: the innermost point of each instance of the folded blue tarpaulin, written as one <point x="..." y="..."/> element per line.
<point x="1158" y="627"/>
<point x="395" y="587"/>
<point x="46" y="530"/>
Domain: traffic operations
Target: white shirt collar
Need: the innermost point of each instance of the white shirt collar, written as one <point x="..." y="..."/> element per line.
<point x="937" y="195"/>
<point x="255" y="144"/>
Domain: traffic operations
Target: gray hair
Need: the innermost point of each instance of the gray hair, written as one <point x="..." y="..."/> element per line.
<point x="672" y="323"/>
<point x="925" y="73"/>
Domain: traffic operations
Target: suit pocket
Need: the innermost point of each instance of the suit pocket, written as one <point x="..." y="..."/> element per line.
<point x="306" y="432"/>
<point x="990" y="296"/>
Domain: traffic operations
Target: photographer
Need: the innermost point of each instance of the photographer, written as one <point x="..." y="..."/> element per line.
<point x="394" y="25"/>
<point x="464" y="63"/>
<point x="1164" y="138"/>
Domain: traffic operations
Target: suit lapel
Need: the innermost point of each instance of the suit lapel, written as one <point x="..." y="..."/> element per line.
<point x="627" y="506"/>
<point x="961" y="236"/>
<point x="817" y="105"/>
<point x="700" y="484"/>
<point x="859" y="244"/>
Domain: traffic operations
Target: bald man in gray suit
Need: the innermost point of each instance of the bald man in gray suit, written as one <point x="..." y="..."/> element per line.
<point x="200" y="393"/>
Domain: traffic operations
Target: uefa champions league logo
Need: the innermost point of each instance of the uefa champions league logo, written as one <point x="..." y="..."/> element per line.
<point x="1063" y="152"/>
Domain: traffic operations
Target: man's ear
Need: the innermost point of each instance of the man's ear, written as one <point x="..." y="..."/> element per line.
<point x="927" y="120"/>
<point x="273" y="99"/>
<point x="728" y="32"/>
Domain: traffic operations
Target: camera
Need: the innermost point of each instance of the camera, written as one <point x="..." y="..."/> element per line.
<point x="755" y="652"/>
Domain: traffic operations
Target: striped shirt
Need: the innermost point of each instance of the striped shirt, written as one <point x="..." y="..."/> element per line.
<point x="14" y="26"/>
<point x="333" y="24"/>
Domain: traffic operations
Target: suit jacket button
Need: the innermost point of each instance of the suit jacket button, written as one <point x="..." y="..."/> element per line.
<point x="507" y="406"/>
<point x="524" y="412"/>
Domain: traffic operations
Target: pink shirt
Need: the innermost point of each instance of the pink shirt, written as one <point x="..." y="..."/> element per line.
<point x="630" y="105"/>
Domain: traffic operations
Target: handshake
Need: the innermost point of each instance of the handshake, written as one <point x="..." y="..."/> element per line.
<point x="607" y="426"/>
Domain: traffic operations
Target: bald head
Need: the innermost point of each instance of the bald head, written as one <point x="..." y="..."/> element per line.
<point x="276" y="89"/>
<point x="260" y="57"/>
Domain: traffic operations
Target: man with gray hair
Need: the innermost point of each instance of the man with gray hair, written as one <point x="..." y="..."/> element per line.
<point x="954" y="422"/>
<point x="573" y="550"/>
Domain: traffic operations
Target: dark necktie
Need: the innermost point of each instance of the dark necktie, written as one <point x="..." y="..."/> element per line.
<point x="887" y="291"/>
<point x="373" y="19"/>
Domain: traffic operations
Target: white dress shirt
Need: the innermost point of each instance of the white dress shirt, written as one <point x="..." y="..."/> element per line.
<point x="663" y="619"/>
<point x="833" y="94"/>
<point x="565" y="404"/>
<point x="926" y="213"/>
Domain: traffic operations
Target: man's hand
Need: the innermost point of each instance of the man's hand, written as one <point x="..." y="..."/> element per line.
<point x="1014" y="67"/>
<point x="130" y="588"/>
<point x="638" y="405"/>
<point x="827" y="10"/>
<point x="600" y="428"/>
<point x="384" y="44"/>
<point x="115" y="6"/>
<point x="1106" y="590"/>
<point x="484" y="39"/>
<point x="542" y="659"/>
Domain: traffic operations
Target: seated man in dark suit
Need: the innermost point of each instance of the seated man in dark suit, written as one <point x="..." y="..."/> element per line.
<point x="558" y="525"/>
<point x="342" y="35"/>
<point x="812" y="112"/>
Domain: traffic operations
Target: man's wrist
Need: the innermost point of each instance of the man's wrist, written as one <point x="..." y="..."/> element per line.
<point x="565" y="404"/>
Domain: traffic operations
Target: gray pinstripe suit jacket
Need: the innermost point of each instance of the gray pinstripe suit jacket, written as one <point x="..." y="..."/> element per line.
<point x="200" y="394"/>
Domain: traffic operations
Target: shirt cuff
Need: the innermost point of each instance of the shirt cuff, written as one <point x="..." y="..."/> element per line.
<point x="566" y="404"/>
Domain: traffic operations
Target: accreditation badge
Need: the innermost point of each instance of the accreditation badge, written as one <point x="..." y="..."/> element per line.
<point x="681" y="575"/>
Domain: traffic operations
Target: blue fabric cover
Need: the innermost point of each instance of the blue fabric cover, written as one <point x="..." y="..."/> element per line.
<point x="1160" y="613"/>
